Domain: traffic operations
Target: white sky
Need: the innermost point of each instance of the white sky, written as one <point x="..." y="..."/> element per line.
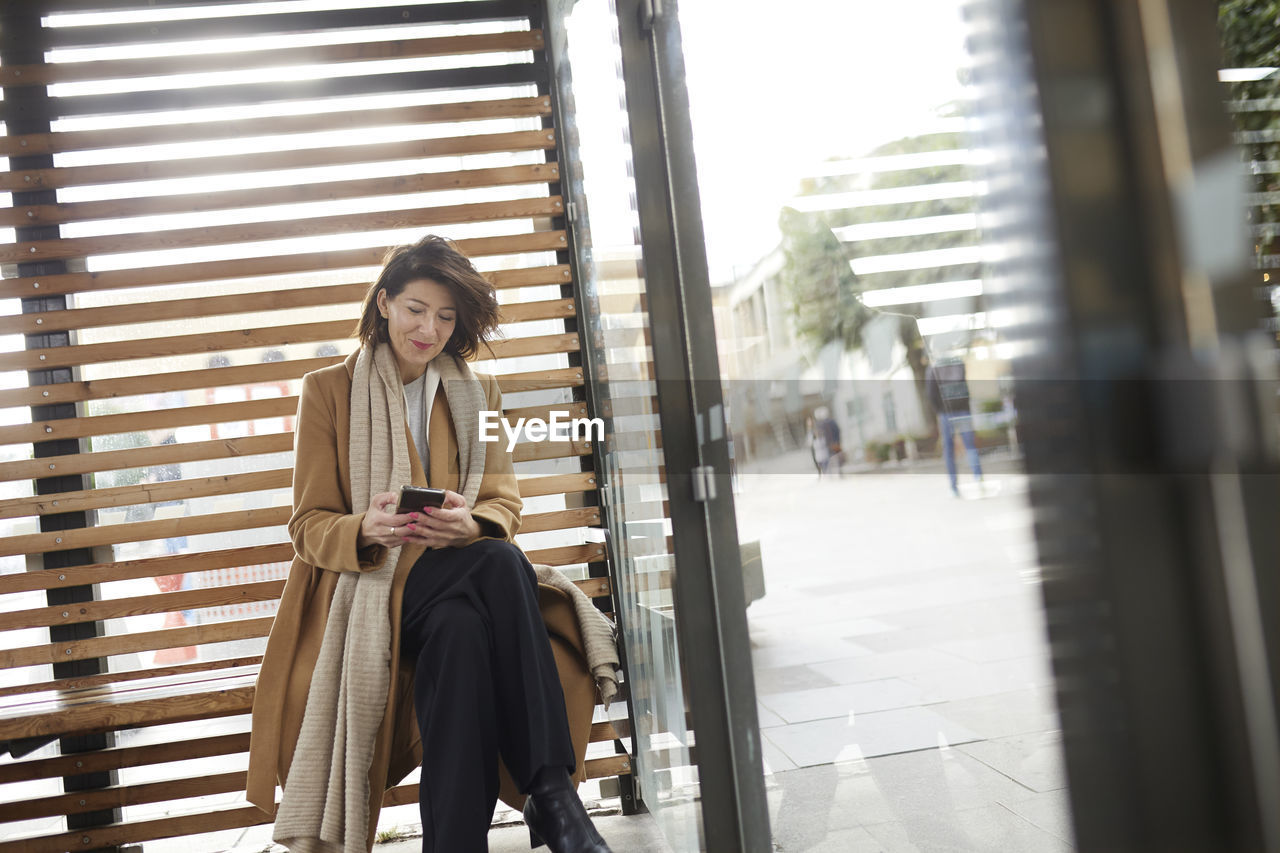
<point x="778" y="87"/>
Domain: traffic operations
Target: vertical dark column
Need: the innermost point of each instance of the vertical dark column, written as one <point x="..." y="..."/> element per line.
<point x="1151" y="478"/>
<point x="549" y="17"/>
<point x="28" y="109"/>
<point x="710" y="611"/>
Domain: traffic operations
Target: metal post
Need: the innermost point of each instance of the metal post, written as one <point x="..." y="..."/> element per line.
<point x="708" y="588"/>
<point x="1134" y="415"/>
<point x="29" y="110"/>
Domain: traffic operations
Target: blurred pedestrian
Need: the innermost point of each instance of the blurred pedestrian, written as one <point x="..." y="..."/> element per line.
<point x="824" y="441"/>
<point x="948" y="392"/>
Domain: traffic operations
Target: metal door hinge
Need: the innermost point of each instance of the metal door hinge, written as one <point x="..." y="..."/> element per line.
<point x="650" y="11"/>
<point x="704" y="483"/>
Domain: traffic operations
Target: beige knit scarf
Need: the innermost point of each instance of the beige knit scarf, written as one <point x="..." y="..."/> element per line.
<point x="325" y="808"/>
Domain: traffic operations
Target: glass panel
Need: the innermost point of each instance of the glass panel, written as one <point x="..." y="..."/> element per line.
<point x="897" y="625"/>
<point x="588" y="80"/>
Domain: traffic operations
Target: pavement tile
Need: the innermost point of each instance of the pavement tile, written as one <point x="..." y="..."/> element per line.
<point x="905" y="787"/>
<point x="968" y="680"/>
<point x="775" y="760"/>
<point x="800" y="653"/>
<point x="1017" y="608"/>
<point x="799" y="706"/>
<point x="899" y="664"/>
<point x="981" y="830"/>
<point x="1050" y="811"/>
<point x="1004" y="714"/>
<point x="866" y="735"/>
<point x="1032" y="760"/>
<point x="767" y="718"/>
<point x="997" y="647"/>
<point x="784" y="679"/>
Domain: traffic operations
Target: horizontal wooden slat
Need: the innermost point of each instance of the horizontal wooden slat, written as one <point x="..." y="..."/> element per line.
<point x="159" y="347"/>
<point x="272" y="19"/>
<point x="317" y="122"/>
<point x="168" y="602"/>
<point x="605" y="731"/>
<point x="569" y="555"/>
<point x="303" y="193"/>
<point x="149" y="567"/>
<point x="248" y="410"/>
<point x="142" y="531"/>
<point x="564" y="410"/>
<point x="160" y="454"/>
<point x="540" y="380"/>
<point x="533" y="345"/>
<point x="528" y="451"/>
<point x="85" y="681"/>
<point x="239" y="303"/>
<point x="137" y="831"/>
<point x="92" y="717"/>
<point x="141" y="641"/>
<point x="227" y="484"/>
<point x="508" y="73"/>
<point x="144" y="493"/>
<point x="157" y="383"/>
<point x="612" y="765"/>
<point x="148" y="311"/>
<point x="122" y="795"/>
<point x="556" y="484"/>
<point x="277" y="264"/>
<point x="263" y="59"/>
<point x="121" y="758"/>
<point x="208" y="306"/>
<point x="558" y="274"/>
<point x="560" y="520"/>
<point x="550" y="309"/>
<point x="268" y="336"/>
<point x="61" y="177"/>
<point x="252" y="232"/>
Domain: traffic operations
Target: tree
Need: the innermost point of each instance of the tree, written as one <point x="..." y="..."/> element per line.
<point x="816" y="268"/>
<point x="820" y="283"/>
<point x="1250" y="34"/>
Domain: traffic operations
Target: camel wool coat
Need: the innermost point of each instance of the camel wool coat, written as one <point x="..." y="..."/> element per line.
<point x="324" y="532"/>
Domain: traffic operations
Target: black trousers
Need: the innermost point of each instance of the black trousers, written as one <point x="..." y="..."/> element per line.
<point x="485" y="684"/>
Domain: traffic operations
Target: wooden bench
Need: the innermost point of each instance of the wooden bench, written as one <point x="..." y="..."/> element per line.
<point x="132" y="639"/>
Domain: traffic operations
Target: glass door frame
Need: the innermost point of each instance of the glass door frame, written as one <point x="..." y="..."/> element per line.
<point x="708" y="590"/>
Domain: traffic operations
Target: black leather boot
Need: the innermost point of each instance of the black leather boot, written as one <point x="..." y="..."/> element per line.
<point x="555" y="816"/>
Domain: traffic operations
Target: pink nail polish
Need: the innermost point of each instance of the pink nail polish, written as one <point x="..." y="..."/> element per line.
<point x="428" y="509"/>
<point x="414" y="516"/>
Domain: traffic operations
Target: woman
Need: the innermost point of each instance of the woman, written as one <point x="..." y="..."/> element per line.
<point x="388" y="616"/>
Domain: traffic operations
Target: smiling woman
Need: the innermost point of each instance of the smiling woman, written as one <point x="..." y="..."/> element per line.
<point x="465" y="625"/>
<point x="428" y="298"/>
<point x="201" y="195"/>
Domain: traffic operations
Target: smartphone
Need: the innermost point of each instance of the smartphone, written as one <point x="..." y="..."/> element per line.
<point x="418" y="498"/>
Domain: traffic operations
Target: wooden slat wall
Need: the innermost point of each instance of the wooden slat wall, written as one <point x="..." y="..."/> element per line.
<point x="195" y="306"/>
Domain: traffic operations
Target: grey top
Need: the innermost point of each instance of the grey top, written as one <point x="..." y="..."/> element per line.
<point x="418" y="397"/>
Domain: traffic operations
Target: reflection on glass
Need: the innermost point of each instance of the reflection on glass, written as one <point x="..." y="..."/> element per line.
<point x="902" y="671"/>
<point x="589" y="84"/>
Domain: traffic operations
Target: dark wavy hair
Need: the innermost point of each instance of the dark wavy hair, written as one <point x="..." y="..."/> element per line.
<point x="439" y="260"/>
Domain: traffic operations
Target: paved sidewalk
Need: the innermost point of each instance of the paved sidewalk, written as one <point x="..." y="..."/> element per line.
<point x="901" y="667"/>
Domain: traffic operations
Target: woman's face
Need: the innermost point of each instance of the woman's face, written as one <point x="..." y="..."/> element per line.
<point x="420" y="321"/>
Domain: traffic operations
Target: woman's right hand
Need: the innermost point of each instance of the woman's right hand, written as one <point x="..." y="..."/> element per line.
<point x="382" y="525"/>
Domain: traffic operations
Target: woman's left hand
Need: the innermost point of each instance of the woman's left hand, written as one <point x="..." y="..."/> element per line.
<point x="451" y="524"/>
